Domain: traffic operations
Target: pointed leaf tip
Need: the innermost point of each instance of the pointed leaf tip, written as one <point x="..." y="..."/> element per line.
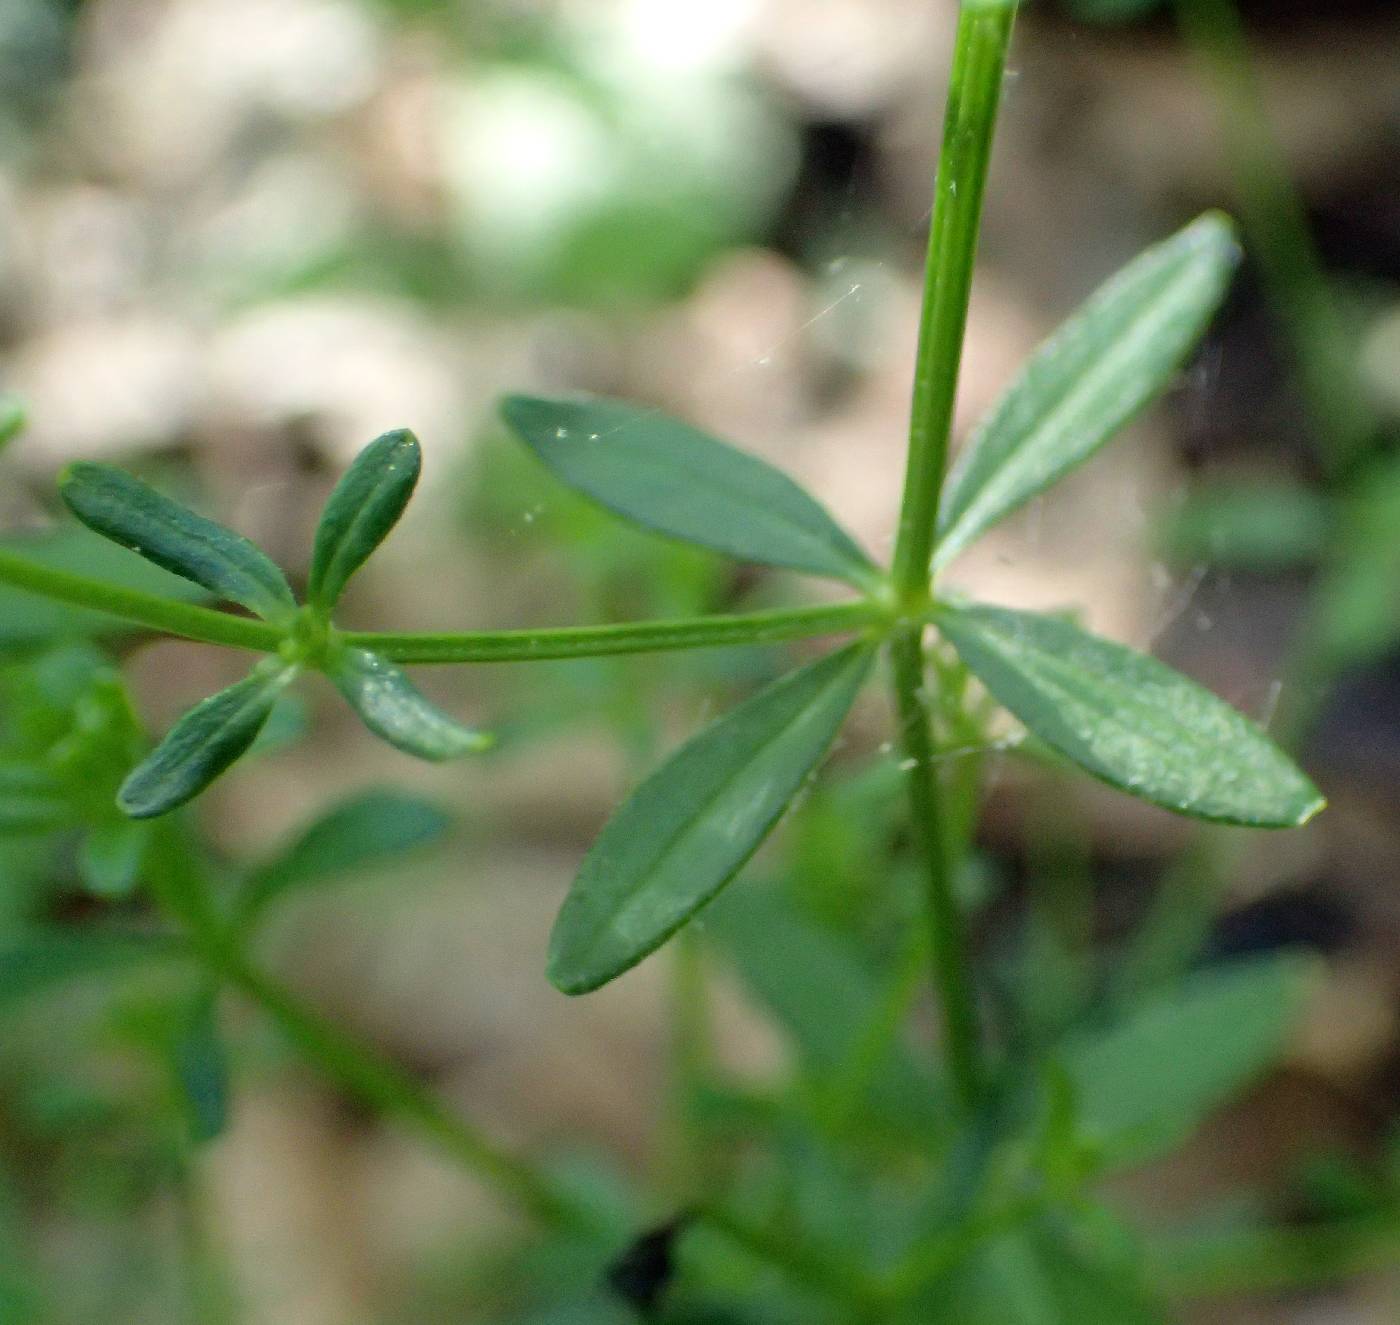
<point x="202" y="744"/>
<point x="391" y="707"/>
<point x="363" y="508"/>
<point x="675" y="480"/>
<point x="687" y="830"/>
<point x="1102" y="366"/>
<point x="1130" y="720"/>
<point x="132" y="513"/>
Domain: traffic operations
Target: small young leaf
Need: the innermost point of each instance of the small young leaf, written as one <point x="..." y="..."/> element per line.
<point x="1130" y="720"/>
<point x="671" y="478"/>
<point x="354" y="835"/>
<point x="200" y="1064"/>
<point x="1143" y="1085"/>
<point x="109" y="859"/>
<point x="134" y="514"/>
<point x="1088" y="380"/>
<point x="684" y="833"/>
<point x="364" y="507"/>
<point x="390" y="706"/>
<point x="204" y="742"/>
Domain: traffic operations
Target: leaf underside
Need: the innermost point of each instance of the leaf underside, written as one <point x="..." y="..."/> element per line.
<point x="1087" y="381"/>
<point x="686" y="830"/>
<point x="392" y="708"/>
<point x="673" y="479"/>
<point x="363" y="508"/>
<point x="135" y="515"/>
<point x="1130" y="720"/>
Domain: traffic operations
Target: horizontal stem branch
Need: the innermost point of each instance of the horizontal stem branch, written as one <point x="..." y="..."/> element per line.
<point x="145" y="609"/>
<point x="643" y="637"/>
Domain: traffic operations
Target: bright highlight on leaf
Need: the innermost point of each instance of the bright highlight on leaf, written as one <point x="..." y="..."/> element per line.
<point x="684" y="833"/>
<point x="1088" y="380"/>
<point x="1131" y="720"/>
<point x="364" y="507"/>
<point x="676" y="480"/>
<point x="134" y="514"/>
<point x="391" y="707"/>
<point x="203" y="743"/>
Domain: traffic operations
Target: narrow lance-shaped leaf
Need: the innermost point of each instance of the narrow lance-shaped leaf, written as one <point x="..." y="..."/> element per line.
<point x="1143" y="1085"/>
<point x="1088" y="380"/>
<point x="391" y="707"/>
<point x="203" y="743"/>
<point x="134" y="514"/>
<point x="684" y="833"/>
<point x="364" y="507"/>
<point x="1130" y="720"/>
<point x="354" y="835"/>
<point x="200" y="1065"/>
<point x="676" y="480"/>
<point x="32" y="963"/>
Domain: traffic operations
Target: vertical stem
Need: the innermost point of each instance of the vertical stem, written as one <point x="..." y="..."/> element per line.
<point x="1277" y="226"/>
<point x="974" y="94"/>
<point x="947" y="944"/>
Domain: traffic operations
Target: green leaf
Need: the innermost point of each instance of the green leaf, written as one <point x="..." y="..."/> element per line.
<point x="205" y="741"/>
<point x="32" y="800"/>
<point x="1255" y="525"/>
<point x="1130" y="720"/>
<point x="390" y="706"/>
<point x="790" y="964"/>
<point x="35" y="962"/>
<point x="200" y="1065"/>
<point x="1142" y="1086"/>
<point x="13" y="417"/>
<point x="109" y="859"/>
<point x="134" y="514"/>
<point x="1088" y="380"/>
<point x="364" y="507"/>
<point x="671" y="478"/>
<point x="354" y="835"/>
<point x="684" y="833"/>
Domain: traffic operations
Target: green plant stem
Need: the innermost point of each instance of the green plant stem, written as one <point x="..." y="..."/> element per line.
<point x="974" y="94"/>
<point x="177" y="879"/>
<point x="646" y="637"/>
<point x="208" y="626"/>
<point x="821" y="1270"/>
<point x="1276" y="225"/>
<point x="951" y="969"/>
<point x="145" y="609"/>
<point x="397" y="1095"/>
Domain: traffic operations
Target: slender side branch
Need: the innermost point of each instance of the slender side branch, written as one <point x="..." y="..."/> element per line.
<point x="974" y="95"/>
<point x="643" y="637"/>
<point x="144" y="609"/>
<point x="396" y="1094"/>
<point x="947" y="943"/>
